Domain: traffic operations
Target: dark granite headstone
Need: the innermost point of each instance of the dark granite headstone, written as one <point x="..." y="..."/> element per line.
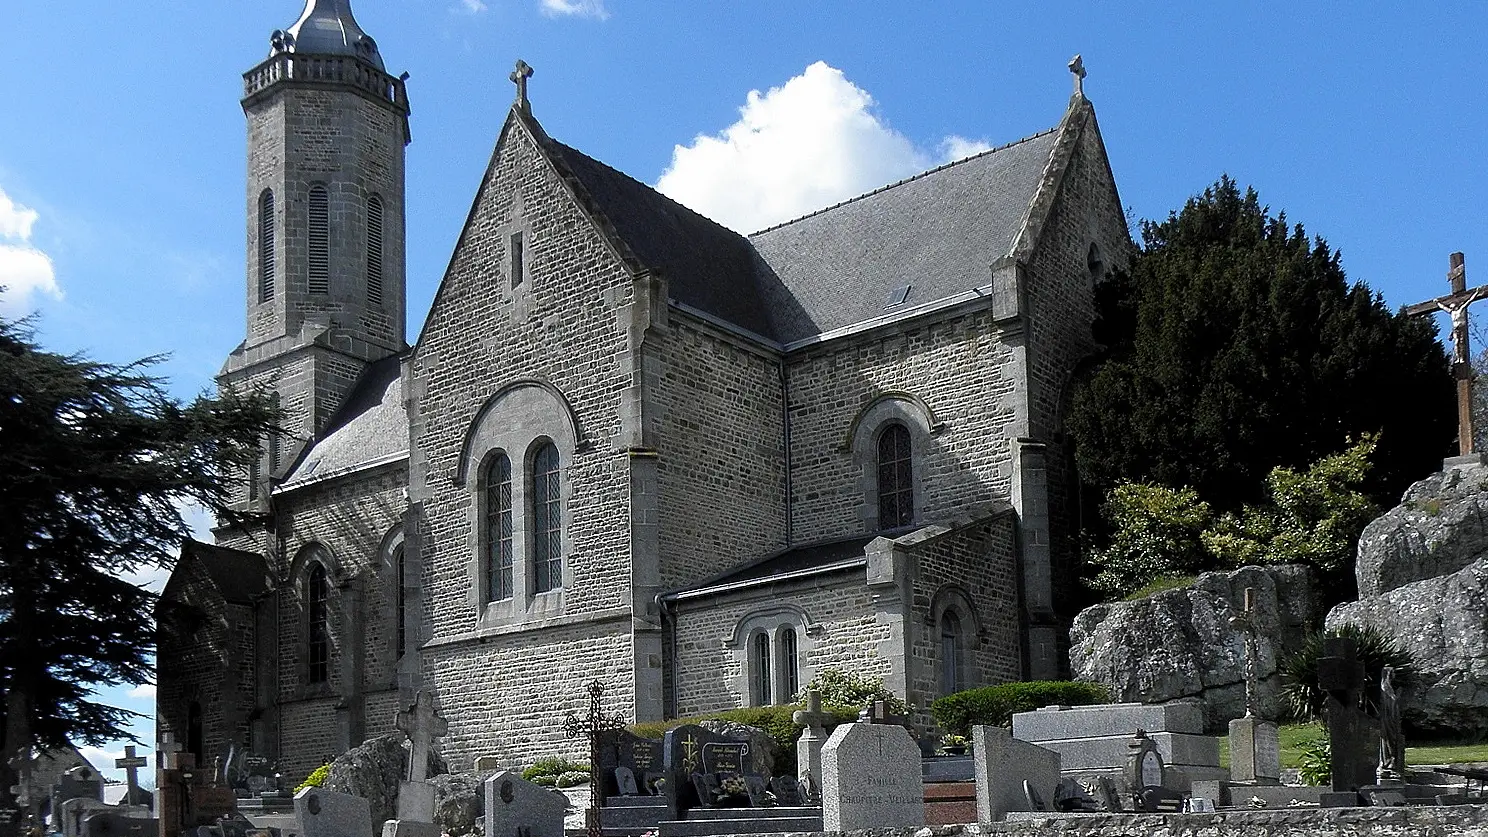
<point x="1353" y="736"/>
<point x="727" y="758"/>
<point x="643" y="757"/>
<point x="625" y="781"/>
<point x="787" y="791"/>
<point x="683" y="756"/>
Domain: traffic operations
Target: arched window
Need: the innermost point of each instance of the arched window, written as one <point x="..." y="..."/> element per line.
<point x="374" y="250"/>
<point x="317" y="610"/>
<point x="401" y="566"/>
<point x="759" y="668"/>
<point x="319" y="235"/>
<point x="498" y="528"/>
<point x="895" y="478"/>
<point x="1095" y="264"/>
<point x="547" y="520"/>
<point x="790" y="667"/>
<point x="266" y="246"/>
<point x="950" y="652"/>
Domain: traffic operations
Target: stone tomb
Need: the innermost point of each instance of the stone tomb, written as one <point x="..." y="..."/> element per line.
<point x="1002" y="765"/>
<point x="515" y="806"/>
<point x="120" y="821"/>
<point x="1255" y="751"/>
<point x="643" y="760"/>
<point x="1092" y="740"/>
<point x="684" y="748"/>
<point x="324" y="813"/>
<point x="871" y="778"/>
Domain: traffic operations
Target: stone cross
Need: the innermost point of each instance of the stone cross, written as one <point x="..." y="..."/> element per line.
<point x="1455" y="304"/>
<point x="1077" y="69"/>
<point x="422" y="724"/>
<point x="809" y="746"/>
<point x="594" y="727"/>
<point x="519" y="77"/>
<point x="1245" y="621"/>
<point x="131" y="764"/>
<point x="1341" y="674"/>
<point x="167" y="748"/>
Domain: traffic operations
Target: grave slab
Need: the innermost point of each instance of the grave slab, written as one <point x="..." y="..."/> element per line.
<point x="1107" y="719"/>
<point x="517" y="806"/>
<point x="1197" y="756"/>
<point x="871" y="778"/>
<point x="1002" y="763"/>
<point x="324" y="813"/>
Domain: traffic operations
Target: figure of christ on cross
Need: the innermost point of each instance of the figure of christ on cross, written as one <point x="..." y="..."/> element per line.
<point x="1455" y="304"/>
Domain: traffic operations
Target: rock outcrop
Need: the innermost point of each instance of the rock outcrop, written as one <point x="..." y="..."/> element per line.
<point x="1440" y="526"/>
<point x="459" y="803"/>
<point x="1180" y="643"/>
<point x="1443" y="623"/>
<point x="372" y="771"/>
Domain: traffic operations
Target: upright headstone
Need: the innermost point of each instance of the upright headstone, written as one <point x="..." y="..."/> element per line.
<point x="1352" y="737"/>
<point x="422" y="724"/>
<point x="1255" y="751"/>
<point x="516" y="807"/>
<point x="1003" y="765"/>
<point x="643" y="757"/>
<point x="131" y="764"/>
<point x="871" y="778"/>
<point x="324" y="813"/>
<point x="809" y="745"/>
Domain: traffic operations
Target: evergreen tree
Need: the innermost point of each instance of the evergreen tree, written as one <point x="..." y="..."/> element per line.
<point x="96" y="462"/>
<point x="1235" y="345"/>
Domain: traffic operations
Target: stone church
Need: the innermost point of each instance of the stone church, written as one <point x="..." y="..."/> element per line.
<point x="629" y="444"/>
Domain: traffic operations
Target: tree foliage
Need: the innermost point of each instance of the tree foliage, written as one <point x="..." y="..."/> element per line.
<point x="96" y="463"/>
<point x="1235" y="345"/>
<point x="1156" y="532"/>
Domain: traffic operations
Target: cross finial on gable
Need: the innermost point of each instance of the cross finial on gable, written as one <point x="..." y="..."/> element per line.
<point x="1077" y="69"/>
<point x="519" y="77"/>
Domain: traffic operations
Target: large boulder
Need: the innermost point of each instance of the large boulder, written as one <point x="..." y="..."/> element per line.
<point x="1180" y="643"/>
<point x="373" y="770"/>
<point x="459" y="802"/>
<point x="1443" y="623"/>
<point x="1440" y="526"/>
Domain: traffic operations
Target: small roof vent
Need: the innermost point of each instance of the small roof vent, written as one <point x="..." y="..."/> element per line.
<point x="898" y="296"/>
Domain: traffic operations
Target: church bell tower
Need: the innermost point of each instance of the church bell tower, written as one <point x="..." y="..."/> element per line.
<point x="327" y="128"/>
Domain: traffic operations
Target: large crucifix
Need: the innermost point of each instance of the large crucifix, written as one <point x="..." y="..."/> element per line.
<point x="1455" y="304"/>
<point x="596" y="726"/>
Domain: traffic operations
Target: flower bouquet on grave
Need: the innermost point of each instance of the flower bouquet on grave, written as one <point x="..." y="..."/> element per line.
<point x="730" y="792"/>
<point x="953" y="744"/>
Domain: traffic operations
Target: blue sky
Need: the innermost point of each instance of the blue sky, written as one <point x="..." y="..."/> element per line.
<point x="122" y="142"/>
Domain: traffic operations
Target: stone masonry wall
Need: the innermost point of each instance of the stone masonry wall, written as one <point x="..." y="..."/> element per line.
<point x="845" y="633"/>
<point x="1060" y="314"/>
<point x="980" y="562"/>
<point x="957" y="365"/>
<point x="563" y="325"/>
<point x="722" y="465"/>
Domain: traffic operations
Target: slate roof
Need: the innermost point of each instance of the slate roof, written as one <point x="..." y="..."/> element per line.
<point x="239" y="576"/>
<point x="706" y="265"/>
<point x="938" y="233"/>
<point x="370" y="428"/>
<point x="845" y="551"/>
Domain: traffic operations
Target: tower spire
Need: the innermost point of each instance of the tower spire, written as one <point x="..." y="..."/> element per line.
<point x="327" y="27"/>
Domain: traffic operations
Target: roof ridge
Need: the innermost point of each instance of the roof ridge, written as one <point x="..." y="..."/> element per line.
<point x="901" y="182"/>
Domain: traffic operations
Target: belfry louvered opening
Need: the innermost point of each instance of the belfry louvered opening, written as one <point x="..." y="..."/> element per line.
<point x="374" y="250"/>
<point x="319" y="240"/>
<point x="266" y="246"/>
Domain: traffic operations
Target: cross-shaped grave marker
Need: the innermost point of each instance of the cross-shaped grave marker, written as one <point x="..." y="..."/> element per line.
<point x="519" y="77"/>
<point x="1245" y="621"/>
<point x="595" y="726"/>
<point x="1455" y="304"/>
<point x="168" y="748"/>
<point x="809" y="746"/>
<point x="131" y="764"/>
<point x="422" y="724"/>
<point x="1340" y="674"/>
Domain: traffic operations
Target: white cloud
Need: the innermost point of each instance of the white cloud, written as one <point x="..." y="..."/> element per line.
<point x="575" y="8"/>
<point x="25" y="272"/>
<point x="144" y="691"/>
<point x="807" y="144"/>
<point x="475" y="7"/>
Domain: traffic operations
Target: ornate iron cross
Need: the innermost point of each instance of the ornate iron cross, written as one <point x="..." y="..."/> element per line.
<point x="595" y="726"/>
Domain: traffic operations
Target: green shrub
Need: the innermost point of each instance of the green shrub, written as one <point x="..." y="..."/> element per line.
<point x="845" y="688"/>
<point x="572" y="778"/>
<point x="316" y="778"/>
<point x="1155" y="533"/>
<point x="1317" y="761"/>
<point x="995" y="705"/>
<point x="775" y="721"/>
<point x="1375" y="649"/>
<point x="554" y="767"/>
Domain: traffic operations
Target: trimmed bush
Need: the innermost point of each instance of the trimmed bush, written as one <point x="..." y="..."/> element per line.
<point x="316" y="778"/>
<point x="995" y="705"/>
<point x="775" y="721"/>
<point x="553" y="767"/>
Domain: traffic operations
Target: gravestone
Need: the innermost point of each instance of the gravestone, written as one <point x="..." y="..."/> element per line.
<point x="643" y="757"/>
<point x="134" y="821"/>
<point x="1352" y="736"/>
<point x="516" y="807"/>
<point x="131" y="764"/>
<point x="1255" y="751"/>
<point x="1092" y="740"/>
<point x="871" y="778"/>
<point x="184" y="800"/>
<point x="77" y="782"/>
<point x="422" y="724"/>
<point x="1144" y="770"/>
<point x="324" y="813"/>
<point x="1002" y="764"/>
<point x="813" y="737"/>
<point x="683" y="749"/>
<point x="68" y="816"/>
<point x="625" y="782"/>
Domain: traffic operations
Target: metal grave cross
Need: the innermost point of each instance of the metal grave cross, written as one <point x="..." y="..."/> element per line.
<point x="422" y="725"/>
<point x="594" y="727"/>
<point x="519" y="77"/>
<point x="1455" y="304"/>
<point x="131" y="764"/>
<point x="1245" y="621"/>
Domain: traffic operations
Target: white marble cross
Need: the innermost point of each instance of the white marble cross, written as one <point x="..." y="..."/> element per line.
<point x="131" y="764"/>
<point x="422" y="724"/>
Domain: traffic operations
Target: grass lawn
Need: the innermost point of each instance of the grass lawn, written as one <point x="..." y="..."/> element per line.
<point x="1293" y="736"/>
